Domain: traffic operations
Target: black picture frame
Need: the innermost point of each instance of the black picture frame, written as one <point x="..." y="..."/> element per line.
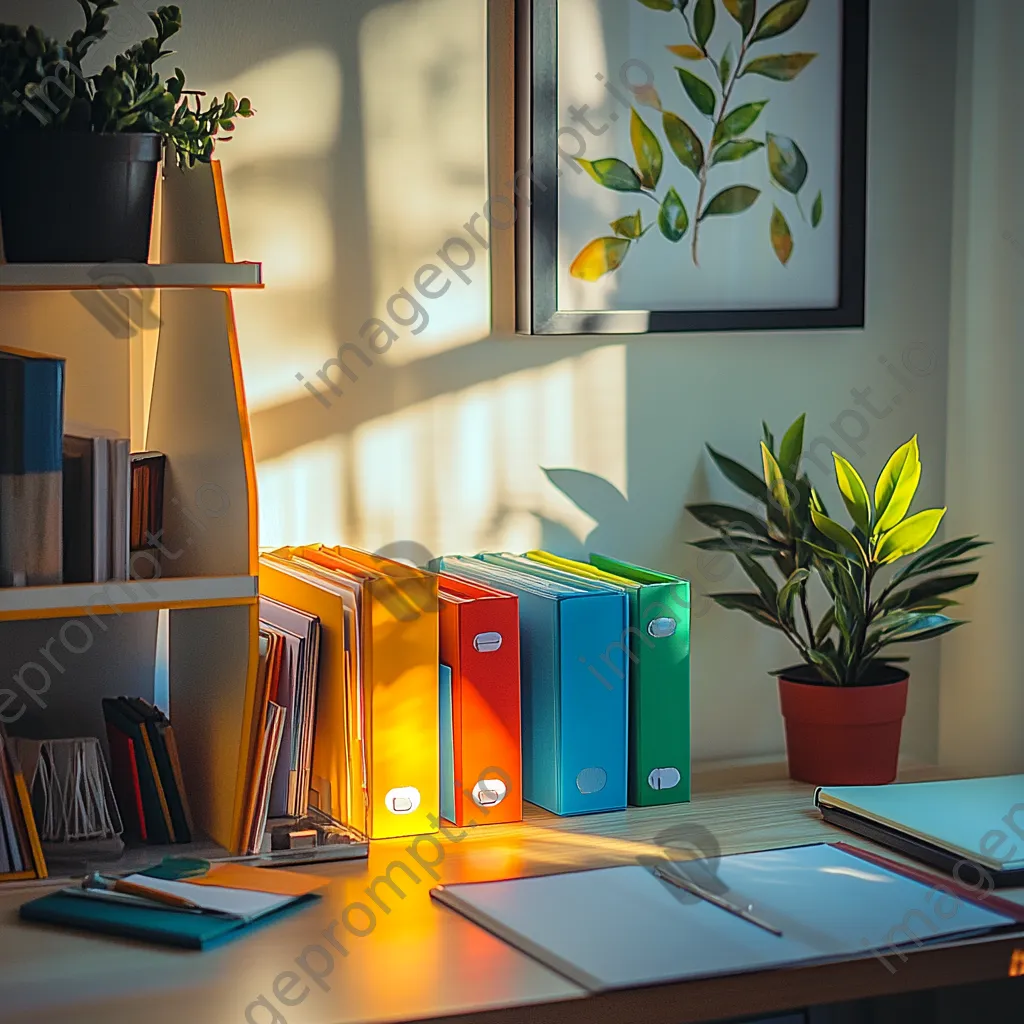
<point x="536" y="136"/>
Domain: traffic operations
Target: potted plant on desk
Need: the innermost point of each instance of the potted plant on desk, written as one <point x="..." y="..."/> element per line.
<point x="79" y="153"/>
<point x="844" y="703"/>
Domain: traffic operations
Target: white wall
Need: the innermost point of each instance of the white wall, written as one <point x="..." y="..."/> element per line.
<point x="982" y="697"/>
<point x="369" y="151"/>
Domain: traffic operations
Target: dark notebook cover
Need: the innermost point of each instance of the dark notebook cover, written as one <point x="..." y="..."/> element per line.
<point x="128" y="721"/>
<point x="124" y="776"/>
<point x="78" y="511"/>
<point x="156" y="723"/>
<point x="928" y="853"/>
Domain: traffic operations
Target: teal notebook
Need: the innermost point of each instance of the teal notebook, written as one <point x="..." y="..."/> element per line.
<point x="167" y="927"/>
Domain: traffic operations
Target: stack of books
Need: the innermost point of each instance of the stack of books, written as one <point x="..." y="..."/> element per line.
<point x="21" y="855"/>
<point x="146" y="772"/>
<point x="73" y="505"/>
<point x="96" y="513"/>
<point x="280" y="756"/>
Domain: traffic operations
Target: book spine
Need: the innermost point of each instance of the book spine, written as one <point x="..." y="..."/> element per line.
<point x="31" y="471"/>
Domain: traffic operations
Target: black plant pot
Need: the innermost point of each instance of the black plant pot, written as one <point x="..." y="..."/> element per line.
<point x="77" y="197"/>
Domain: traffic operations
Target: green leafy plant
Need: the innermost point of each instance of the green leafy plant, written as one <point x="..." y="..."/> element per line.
<point x="872" y="603"/>
<point x="725" y="138"/>
<point x="42" y="86"/>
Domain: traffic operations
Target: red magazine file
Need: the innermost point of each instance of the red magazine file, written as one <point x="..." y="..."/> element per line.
<point x="125" y="780"/>
<point x="480" y="644"/>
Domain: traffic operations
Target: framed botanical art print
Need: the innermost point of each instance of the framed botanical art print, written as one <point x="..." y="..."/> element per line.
<point x="693" y="165"/>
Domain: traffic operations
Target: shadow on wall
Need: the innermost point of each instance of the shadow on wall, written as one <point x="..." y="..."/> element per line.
<point x="378" y="413"/>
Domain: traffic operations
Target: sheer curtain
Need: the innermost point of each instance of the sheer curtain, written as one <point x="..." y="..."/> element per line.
<point x="982" y="688"/>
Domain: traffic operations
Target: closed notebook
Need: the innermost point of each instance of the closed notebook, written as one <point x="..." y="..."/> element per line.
<point x="659" y="674"/>
<point x="574" y="685"/>
<point x="959" y="825"/>
<point x="480" y="647"/>
<point x="236" y="910"/>
<point x="624" y="927"/>
<point x="31" y="469"/>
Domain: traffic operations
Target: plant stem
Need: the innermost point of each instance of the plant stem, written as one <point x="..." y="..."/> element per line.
<point x="807" y="620"/>
<point x="706" y="166"/>
<point x="853" y="668"/>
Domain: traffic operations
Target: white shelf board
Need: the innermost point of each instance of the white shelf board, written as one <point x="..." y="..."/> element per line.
<point x="118" y="276"/>
<point x="118" y="597"/>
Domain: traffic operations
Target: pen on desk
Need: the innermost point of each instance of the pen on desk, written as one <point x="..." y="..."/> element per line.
<point x="98" y="881"/>
<point x="718" y="901"/>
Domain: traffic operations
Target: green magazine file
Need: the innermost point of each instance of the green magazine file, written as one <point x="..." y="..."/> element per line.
<point x="659" y="673"/>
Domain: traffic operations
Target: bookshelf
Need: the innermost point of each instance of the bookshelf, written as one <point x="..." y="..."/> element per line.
<point x="152" y="354"/>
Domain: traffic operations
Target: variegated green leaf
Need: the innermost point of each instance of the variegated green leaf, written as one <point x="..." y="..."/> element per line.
<point x="854" y="493"/>
<point x="909" y="536"/>
<point x="838" y="534"/>
<point x="792" y="447"/>
<point x="896" y="486"/>
<point x="775" y="482"/>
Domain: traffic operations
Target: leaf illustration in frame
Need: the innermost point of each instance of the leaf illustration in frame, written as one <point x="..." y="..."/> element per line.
<point x="780" y="18"/>
<point x="725" y="65"/>
<point x="672" y="217"/>
<point x="684" y="142"/>
<point x="687" y="51"/>
<point x="646" y="95"/>
<point x="647" y="149"/>
<point x="735" y="149"/>
<point x="702" y="95"/>
<point x="737" y="121"/>
<point x="787" y="163"/>
<point x="781" y="67"/>
<point x="630" y="226"/>
<point x="817" y="211"/>
<point x="742" y="11"/>
<point x="782" y="237"/>
<point x="599" y="257"/>
<point x="704" y="21"/>
<point x="659" y="5"/>
<point x="736" y="199"/>
<point x="612" y="173"/>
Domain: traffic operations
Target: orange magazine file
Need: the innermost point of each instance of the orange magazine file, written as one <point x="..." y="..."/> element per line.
<point x="398" y="630"/>
<point x="480" y="644"/>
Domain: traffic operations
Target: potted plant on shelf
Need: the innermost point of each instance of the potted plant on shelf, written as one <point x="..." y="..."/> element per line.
<point x="843" y="705"/>
<point x="79" y="153"/>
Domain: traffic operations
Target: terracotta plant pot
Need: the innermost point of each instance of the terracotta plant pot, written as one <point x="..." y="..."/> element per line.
<point x="842" y="735"/>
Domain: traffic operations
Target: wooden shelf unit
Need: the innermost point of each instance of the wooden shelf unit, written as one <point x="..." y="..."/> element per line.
<point x="152" y="354"/>
<point x="35" y="277"/>
<point x="116" y="598"/>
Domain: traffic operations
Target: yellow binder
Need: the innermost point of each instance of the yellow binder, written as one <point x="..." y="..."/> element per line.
<point x="378" y="685"/>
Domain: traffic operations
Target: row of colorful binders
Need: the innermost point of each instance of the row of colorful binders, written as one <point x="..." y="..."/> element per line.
<point x="461" y="692"/>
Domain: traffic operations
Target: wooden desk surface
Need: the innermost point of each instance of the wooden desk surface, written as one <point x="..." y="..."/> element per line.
<point x="419" y="961"/>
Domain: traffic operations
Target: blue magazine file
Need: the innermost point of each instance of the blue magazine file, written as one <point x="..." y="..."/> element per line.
<point x="574" y="686"/>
